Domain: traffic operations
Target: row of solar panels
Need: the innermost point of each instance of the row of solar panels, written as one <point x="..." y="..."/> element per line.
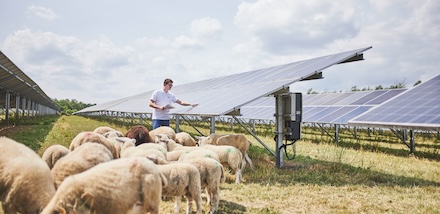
<point x="415" y="108"/>
<point x="335" y="108"/>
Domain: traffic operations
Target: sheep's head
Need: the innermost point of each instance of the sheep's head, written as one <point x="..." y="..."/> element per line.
<point x="203" y="140"/>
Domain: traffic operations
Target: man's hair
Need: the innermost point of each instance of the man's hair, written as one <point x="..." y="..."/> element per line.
<point x="166" y="81"/>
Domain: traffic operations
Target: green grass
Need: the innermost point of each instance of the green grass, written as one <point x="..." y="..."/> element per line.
<point x="356" y="176"/>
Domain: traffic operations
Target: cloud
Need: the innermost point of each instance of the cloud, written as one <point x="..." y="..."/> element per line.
<point x="185" y="42"/>
<point x="42" y="12"/>
<point x="206" y="27"/>
<point x="286" y="26"/>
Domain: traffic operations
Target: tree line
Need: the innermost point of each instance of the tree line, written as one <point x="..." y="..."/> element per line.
<point x="397" y="85"/>
<point x="70" y="106"/>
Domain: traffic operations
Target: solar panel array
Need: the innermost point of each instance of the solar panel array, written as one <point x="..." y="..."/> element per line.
<point x="333" y="108"/>
<point x="418" y="107"/>
<point x="226" y="95"/>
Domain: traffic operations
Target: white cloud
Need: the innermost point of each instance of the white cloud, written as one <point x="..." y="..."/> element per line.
<point x="206" y="27"/>
<point x="185" y="42"/>
<point x="42" y="12"/>
<point x="286" y="26"/>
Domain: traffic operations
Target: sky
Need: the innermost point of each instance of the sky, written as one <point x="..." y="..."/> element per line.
<point x="97" y="51"/>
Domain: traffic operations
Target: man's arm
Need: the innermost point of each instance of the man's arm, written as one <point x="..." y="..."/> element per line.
<point x="185" y="103"/>
<point x="153" y="105"/>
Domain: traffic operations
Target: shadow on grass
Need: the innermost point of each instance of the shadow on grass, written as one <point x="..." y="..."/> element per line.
<point x="311" y="171"/>
<point x="404" y="152"/>
<point x="230" y="207"/>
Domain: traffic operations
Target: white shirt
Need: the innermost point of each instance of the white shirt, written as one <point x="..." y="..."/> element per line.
<point x="162" y="98"/>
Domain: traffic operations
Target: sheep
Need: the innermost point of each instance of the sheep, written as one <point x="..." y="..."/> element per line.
<point x="103" y="129"/>
<point x="140" y="133"/>
<point x="84" y="137"/>
<point x="82" y="158"/>
<point x="54" y="152"/>
<point x="26" y="185"/>
<point x="229" y="156"/>
<point x="112" y="134"/>
<point x="211" y="175"/>
<point x="171" y="145"/>
<point x="163" y="130"/>
<point x="118" y="186"/>
<point x="155" y="146"/>
<point x="200" y="153"/>
<point x="175" y="155"/>
<point x="237" y="140"/>
<point x="119" y="141"/>
<point x="185" y="139"/>
<point x="130" y="150"/>
<point x="183" y="179"/>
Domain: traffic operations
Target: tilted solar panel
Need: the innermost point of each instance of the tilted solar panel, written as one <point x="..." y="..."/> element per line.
<point x="418" y="107"/>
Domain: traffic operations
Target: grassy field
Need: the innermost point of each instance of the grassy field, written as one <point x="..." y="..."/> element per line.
<point x="356" y="176"/>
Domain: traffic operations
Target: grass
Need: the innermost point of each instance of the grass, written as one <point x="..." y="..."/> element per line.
<point x="356" y="176"/>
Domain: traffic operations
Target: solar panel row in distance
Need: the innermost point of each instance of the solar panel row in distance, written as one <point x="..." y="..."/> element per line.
<point x="417" y="108"/>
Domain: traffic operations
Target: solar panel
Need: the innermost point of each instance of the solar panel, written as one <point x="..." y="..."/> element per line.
<point x="418" y="107"/>
<point x="226" y="95"/>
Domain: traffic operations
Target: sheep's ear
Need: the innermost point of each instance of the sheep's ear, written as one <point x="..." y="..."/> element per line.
<point x="197" y="137"/>
<point x="156" y="138"/>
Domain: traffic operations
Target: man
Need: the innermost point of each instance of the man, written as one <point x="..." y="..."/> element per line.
<point x="161" y="100"/>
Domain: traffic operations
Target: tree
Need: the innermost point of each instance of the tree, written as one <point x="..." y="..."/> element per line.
<point x="70" y="106"/>
<point x="418" y="82"/>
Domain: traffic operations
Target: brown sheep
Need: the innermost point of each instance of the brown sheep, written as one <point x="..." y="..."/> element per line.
<point x="140" y="133"/>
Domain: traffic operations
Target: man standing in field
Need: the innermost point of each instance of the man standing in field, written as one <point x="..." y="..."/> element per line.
<point x="161" y="101"/>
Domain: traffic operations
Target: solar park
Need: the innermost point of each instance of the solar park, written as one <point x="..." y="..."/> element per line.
<point x="322" y="185"/>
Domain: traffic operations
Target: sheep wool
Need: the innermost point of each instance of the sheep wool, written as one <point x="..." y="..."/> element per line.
<point x="229" y="156"/>
<point x="163" y="130"/>
<point x="92" y="137"/>
<point x="183" y="179"/>
<point x="128" y="185"/>
<point x="26" y="185"/>
<point x="81" y="159"/>
<point x="211" y="175"/>
<point x="53" y="153"/>
<point x="185" y="139"/>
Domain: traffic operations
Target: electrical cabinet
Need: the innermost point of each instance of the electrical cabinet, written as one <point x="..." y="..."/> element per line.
<point x="292" y="116"/>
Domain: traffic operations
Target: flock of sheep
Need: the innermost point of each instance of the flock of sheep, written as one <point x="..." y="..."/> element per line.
<point x="106" y="171"/>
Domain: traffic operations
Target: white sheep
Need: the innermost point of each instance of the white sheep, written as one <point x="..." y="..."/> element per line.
<point x="211" y="175"/>
<point x="163" y="130"/>
<point x="155" y="146"/>
<point x="53" y="153"/>
<point x="239" y="141"/>
<point x="103" y="129"/>
<point x="127" y="185"/>
<point x="119" y="141"/>
<point x="200" y="153"/>
<point x="26" y="185"/>
<point x="79" y="160"/>
<point x="84" y="137"/>
<point x="183" y="180"/>
<point x="175" y="155"/>
<point x="130" y="150"/>
<point x="229" y="156"/>
<point x="185" y="139"/>
<point x="111" y="134"/>
<point x="171" y="145"/>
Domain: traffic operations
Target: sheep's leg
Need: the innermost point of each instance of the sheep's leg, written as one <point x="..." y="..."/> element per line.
<point x="208" y="196"/>
<point x="188" y="204"/>
<point x="177" y="205"/>
<point x="238" y="176"/>
<point x="248" y="159"/>
<point x="215" y="200"/>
